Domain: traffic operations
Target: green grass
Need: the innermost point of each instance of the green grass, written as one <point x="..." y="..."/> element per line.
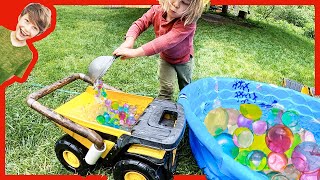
<point x="265" y="53"/>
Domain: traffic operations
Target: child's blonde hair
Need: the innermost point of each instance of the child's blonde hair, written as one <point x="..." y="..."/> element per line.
<point x="38" y="14"/>
<point x="191" y="14"/>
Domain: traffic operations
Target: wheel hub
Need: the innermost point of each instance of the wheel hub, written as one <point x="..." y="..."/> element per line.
<point x="134" y="176"/>
<point x="71" y="159"/>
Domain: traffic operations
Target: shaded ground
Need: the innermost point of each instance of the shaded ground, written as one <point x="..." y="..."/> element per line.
<point x="219" y="19"/>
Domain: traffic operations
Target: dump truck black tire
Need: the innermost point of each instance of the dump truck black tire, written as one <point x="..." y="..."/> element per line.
<point x="66" y="147"/>
<point x="123" y="167"/>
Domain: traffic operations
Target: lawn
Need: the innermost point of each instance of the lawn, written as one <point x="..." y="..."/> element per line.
<point x="263" y="53"/>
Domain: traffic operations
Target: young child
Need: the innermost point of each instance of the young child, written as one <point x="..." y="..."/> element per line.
<point x="15" y="55"/>
<point x="174" y="23"/>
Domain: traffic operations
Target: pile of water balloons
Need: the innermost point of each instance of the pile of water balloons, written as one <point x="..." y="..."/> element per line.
<point x="271" y="142"/>
<point x="116" y="114"/>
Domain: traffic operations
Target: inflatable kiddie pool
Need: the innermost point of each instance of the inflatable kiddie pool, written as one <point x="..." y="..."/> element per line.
<point x="201" y="96"/>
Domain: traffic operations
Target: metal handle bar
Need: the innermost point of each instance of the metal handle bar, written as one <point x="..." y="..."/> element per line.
<point x="91" y="135"/>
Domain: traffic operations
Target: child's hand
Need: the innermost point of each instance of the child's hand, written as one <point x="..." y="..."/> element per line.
<point x="127" y="53"/>
<point x="128" y="43"/>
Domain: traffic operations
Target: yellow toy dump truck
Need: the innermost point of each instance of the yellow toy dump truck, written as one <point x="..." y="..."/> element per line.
<point x="145" y="151"/>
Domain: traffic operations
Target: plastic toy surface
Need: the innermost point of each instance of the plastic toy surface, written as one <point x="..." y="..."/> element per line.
<point x="146" y="151"/>
<point x="91" y="109"/>
<point x="285" y="112"/>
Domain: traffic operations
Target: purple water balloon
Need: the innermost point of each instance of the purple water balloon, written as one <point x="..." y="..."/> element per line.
<point x="244" y="122"/>
<point x="306" y="157"/>
<point x="310" y="176"/>
<point x="259" y="127"/>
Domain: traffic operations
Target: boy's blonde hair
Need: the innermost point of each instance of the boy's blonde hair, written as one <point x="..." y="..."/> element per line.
<point x="39" y="15"/>
<point x="192" y="13"/>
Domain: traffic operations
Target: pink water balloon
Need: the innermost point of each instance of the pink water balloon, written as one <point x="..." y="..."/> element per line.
<point x="279" y="138"/>
<point x="233" y="116"/>
<point x="277" y="161"/>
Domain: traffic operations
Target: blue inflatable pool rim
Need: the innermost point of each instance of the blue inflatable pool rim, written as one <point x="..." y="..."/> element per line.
<point x="201" y="96"/>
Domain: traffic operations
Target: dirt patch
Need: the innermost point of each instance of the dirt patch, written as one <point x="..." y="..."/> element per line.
<point x="219" y="19"/>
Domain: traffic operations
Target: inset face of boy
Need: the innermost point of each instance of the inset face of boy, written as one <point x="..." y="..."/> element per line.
<point x="26" y="29"/>
<point x="33" y="20"/>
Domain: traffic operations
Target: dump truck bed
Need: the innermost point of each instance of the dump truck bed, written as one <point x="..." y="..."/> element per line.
<point x="84" y="108"/>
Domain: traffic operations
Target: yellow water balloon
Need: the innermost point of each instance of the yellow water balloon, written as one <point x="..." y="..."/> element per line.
<point x="216" y="121"/>
<point x="251" y="111"/>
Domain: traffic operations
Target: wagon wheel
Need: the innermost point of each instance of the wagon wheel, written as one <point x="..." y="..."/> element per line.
<point x="71" y="155"/>
<point x="134" y="170"/>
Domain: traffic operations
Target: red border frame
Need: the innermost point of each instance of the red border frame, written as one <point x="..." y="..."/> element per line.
<point x="10" y="10"/>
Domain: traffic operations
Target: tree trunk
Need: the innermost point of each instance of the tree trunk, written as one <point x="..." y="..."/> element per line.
<point x="225" y="9"/>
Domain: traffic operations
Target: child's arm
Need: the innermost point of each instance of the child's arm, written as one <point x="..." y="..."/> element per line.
<point x="142" y="23"/>
<point x="128" y="43"/>
<point x="159" y="44"/>
<point x="169" y="40"/>
<point x="136" y="29"/>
